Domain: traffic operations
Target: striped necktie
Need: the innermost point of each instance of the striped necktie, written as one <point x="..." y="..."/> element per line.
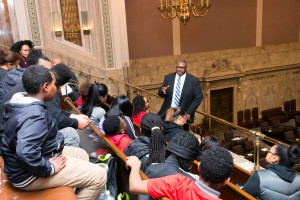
<point x="177" y="92"/>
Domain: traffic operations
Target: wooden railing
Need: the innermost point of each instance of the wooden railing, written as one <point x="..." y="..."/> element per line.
<point x="111" y="145"/>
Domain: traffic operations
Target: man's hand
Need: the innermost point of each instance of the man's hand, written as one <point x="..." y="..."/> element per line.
<point x="58" y="162"/>
<point x="83" y="120"/>
<point x="164" y="89"/>
<point x="133" y="162"/>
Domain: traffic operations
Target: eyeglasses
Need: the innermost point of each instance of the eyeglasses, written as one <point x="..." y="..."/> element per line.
<point x="271" y="152"/>
<point x="180" y="67"/>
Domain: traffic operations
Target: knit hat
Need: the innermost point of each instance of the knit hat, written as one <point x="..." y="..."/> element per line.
<point x="112" y="125"/>
<point x="184" y="145"/>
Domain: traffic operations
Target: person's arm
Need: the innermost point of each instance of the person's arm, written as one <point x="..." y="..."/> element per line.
<point x="61" y="117"/>
<point x="136" y="184"/>
<point x="198" y="96"/>
<point x="30" y="138"/>
<point x="252" y="185"/>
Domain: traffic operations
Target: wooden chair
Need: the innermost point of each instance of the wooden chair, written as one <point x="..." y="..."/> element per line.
<point x="249" y="146"/>
<point x="248" y="120"/>
<point x="265" y="128"/>
<point x="240" y="118"/>
<point x="238" y="150"/>
<point x="228" y="135"/>
<point x="297" y="120"/>
<point x="255" y="116"/>
<point x="276" y="123"/>
<point x="294" y="111"/>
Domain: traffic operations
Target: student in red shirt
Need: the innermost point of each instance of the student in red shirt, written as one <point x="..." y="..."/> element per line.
<point x="140" y="106"/>
<point x="215" y="171"/>
<point x="114" y="127"/>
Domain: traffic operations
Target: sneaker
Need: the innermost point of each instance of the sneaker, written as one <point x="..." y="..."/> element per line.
<point x="101" y="151"/>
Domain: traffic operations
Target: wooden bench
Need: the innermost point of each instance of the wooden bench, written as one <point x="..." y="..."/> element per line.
<point x="9" y="192"/>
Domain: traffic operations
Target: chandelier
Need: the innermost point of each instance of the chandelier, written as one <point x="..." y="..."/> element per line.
<point x="183" y="9"/>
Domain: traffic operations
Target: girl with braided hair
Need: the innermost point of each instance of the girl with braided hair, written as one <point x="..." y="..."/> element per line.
<point x="150" y="146"/>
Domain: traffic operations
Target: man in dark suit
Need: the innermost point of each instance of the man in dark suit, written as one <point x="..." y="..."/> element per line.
<point x="181" y="89"/>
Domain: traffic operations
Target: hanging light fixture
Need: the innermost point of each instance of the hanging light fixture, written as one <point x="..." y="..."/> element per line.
<point x="183" y="9"/>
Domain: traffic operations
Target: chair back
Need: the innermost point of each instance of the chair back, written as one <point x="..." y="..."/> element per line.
<point x="276" y="123"/>
<point x="255" y="113"/>
<point x="293" y="105"/>
<point x="228" y="135"/>
<point x="264" y="125"/>
<point x="238" y="149"/>
<point x="240" y="116"/>
<point x="289" y="135"/>
<point x="287" y="106"/>
<point x="249" y="146"/>
<point x="247" y="115"/>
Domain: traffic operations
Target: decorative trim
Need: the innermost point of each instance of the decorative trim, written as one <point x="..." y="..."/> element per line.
<point x="34" y="23"/>
<point x="107" y="34"/>
<point x="221" y="65"/>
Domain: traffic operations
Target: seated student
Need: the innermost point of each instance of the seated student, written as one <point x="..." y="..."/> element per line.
<point x="122" y="107"/>
<point x="140" y="106"/>
<point x="33" y="149"/>
<point x="97" y="96"/>
<point x="215" y="171"/>
<point x="114" y="127"/>
<point x="280" y="180"/>
<point x="23" y="47"/>
<point x="175" y="119"/>
<point x="72" y="85"/>
<point x="66" y="121"/>
<point x="8" y="61"/>
<point x="12" y="82"/>
<point x="208" y="142"/>
<point x="83" y="92"/>
<point x="150" y="146"/>
<point x="184" y="149"/>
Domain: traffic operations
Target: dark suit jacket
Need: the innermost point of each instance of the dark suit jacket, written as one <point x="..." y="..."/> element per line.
<point x="191" y="95"/>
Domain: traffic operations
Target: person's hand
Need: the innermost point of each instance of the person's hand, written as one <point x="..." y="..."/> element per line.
<point x="133" y="161"/>
<point x="58" y="162"/>
<point x="188" y="117"/>
<point x="83" y="120"/>
<point x="164" y="89"/>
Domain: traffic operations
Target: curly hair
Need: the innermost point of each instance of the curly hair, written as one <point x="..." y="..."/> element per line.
<point x="112" y="125"/>
<point x="150" y="127"/>
<point x="216" y="165"/>
<point x="138" y="104"/>
<point x="16" y="47"/>
<point x="96" y="91"/>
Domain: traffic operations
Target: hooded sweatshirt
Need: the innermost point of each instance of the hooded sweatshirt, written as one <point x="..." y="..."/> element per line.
<point x="30" y="139"/>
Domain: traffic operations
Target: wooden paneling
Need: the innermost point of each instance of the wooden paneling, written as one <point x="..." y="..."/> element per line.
<point x="149" y="35"/>
<point x="281" y="21"/>
<point x="6" y="39"/>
